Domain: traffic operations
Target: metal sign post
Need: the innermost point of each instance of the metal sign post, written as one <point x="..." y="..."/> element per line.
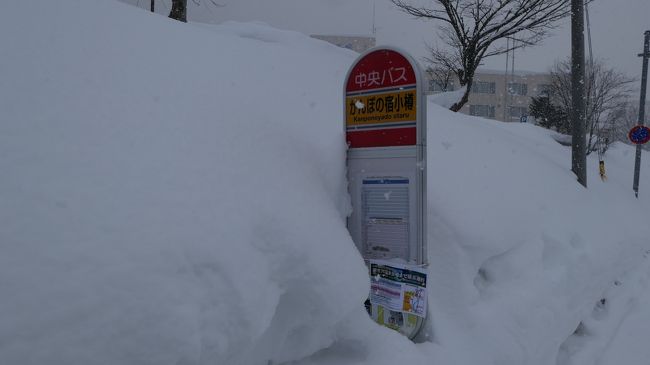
<point x="385" y="124"/>
<point x="639" y="134"/>
<point x="644" y="82"/>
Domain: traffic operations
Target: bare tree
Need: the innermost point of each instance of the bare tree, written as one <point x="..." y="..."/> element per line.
<point x="442" y="68"/>
<point x="472" y="29"/>
<point x="607" y="100"/>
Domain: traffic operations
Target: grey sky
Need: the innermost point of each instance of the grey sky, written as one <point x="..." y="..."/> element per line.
<point x="617" y="27"/>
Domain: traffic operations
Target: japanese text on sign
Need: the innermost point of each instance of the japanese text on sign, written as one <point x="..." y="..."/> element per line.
<point x="398" y="288"/>
<point x="386" y="77"/>
<point x="399" y="274"/>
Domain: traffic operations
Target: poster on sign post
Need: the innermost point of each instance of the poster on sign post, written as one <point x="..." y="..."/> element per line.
<point x="398" y="287"/>
<point x="385" y="130"/>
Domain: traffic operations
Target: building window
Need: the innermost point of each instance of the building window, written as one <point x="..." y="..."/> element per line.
<point x="516" y="112"/>
<point x="517" y="88"/>
<point x="435" y="87"/>
<point x="486" y="111"/>
<point x="483" y="87"/>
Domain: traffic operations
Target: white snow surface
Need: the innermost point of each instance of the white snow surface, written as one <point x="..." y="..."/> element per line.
<point x="175" y="194"/>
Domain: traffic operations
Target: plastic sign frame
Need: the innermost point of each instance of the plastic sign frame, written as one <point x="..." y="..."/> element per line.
<point x="385" y="127"/>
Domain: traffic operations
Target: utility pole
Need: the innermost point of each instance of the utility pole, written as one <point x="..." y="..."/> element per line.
<point x="578" y="150"/>
<point x="153" y="5"/>
<point x="507" y="91"/>
<point x="512" y="81"/>
<point x="505" y="80"/>
<point x="179" y="10"/>
<point x="644" y="83"/>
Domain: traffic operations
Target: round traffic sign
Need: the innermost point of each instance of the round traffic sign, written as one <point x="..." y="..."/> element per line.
<point x="639" y="134"/>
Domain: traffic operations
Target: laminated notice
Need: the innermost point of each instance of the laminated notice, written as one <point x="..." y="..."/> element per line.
<point x="399" y="288"/>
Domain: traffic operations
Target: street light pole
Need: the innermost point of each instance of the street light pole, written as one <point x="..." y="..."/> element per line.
<point x="153" y="5"/>
<point x="578" y="150"/>
<point x="644" y="82"/>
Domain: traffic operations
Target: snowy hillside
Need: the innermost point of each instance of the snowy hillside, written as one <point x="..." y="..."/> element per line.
<point x="175" y="194"/>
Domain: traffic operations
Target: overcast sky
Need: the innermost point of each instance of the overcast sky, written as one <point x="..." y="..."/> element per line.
<point x="617" y="27"/>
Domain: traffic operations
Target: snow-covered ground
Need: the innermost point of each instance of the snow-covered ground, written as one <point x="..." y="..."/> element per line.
<point x="175" y="194"/>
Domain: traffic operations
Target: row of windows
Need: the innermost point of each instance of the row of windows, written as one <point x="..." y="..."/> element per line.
<point x="434" y="86"/>
<point x="517" y="88"/>
<point x="484" y="87"/>
<point x="517" y="111"/>
<point x="488" y="111"/>
<point x="514" y="88"/>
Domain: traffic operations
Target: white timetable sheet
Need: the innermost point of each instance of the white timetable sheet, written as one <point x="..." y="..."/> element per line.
<point x="385" y="223"/>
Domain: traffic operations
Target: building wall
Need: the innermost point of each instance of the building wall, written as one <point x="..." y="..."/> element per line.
<point x="356" y="43"/>
<point x="498" y="96"/>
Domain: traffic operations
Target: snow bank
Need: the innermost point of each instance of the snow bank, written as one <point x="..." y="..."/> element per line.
<point x="521" y="252"/>
<point x="175" y="194"/>
<point x="171" y="193"/>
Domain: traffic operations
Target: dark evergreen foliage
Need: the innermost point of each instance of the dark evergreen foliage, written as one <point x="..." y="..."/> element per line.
<point x="548" y="115"/>
<point x="179" y="10"/>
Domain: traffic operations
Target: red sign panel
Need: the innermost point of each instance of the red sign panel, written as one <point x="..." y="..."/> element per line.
<point x="380" y="69"/>
<point x="381" y="101"/>
<point x="382" y="137"/>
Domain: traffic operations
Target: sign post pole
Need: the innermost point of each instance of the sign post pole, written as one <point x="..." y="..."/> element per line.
<point x="385" y="128"/>
<point x="644" y="82"/>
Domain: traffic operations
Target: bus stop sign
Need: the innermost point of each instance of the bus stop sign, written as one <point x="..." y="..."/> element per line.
<point x="385" y="129"/>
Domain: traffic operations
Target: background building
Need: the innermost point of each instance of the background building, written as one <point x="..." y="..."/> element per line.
<point x="495" y="94"/>
<point x="356" y="43"/>
<point x="500" y="96"/>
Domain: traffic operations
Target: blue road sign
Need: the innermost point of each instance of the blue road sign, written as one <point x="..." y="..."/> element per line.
<point x="639" y="134"/>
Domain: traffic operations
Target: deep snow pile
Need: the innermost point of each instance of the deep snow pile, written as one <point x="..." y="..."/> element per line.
<point x="174" y="194"/>
<point x="525" y="252"/>
<point x="170" y="193"/>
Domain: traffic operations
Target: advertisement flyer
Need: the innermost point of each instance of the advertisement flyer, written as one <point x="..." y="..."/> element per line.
<point x="398" y="288"/>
